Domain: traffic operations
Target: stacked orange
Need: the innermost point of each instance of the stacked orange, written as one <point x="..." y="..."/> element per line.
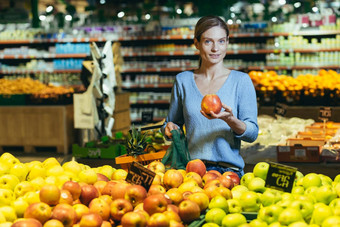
<point x="30" y="86"/>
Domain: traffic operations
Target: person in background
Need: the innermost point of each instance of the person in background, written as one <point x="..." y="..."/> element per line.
<point x="215" y="138"/>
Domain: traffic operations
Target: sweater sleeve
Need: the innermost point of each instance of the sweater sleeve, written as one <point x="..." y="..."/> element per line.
<point x="175" y="113"/>
<point x="247" y="109"/>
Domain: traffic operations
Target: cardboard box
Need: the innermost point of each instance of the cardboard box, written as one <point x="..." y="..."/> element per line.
<point x="122" y="120"/>
<point x="306" y="141"/>
<point x="122" y="101"/>
<point x="298" y="153"/>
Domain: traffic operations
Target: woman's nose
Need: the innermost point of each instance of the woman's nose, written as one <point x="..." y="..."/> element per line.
<point x="214" y="47"/>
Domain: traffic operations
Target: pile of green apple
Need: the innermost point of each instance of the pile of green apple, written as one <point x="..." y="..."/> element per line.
<point x="73" y="194"/>
<point x="313" y="201"/>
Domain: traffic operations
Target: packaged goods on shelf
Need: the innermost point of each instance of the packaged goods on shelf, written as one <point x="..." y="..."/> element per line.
<point x="273" y="131"/>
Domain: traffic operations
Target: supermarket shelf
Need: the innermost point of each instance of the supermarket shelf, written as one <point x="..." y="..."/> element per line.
<point x="162" y="53"/>
<point x="64" y="40"/>
<point x="150" y="102"/>
<point x="148" y="86"/>
<point x="230" y="52"/>
<point x="19" y="56"/>
<point x="168" y="37"/>
<point x="40" y="71"/>
<point x="163" y="69"/>
<point x="138" y="70"/>
<point x="292" y="67"/>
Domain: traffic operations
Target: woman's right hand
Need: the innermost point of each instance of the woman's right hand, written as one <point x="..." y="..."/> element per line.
<point x="168" y="128"/>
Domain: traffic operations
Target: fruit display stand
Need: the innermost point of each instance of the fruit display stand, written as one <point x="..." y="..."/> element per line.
<point x="126" y="160"/>
<point x="37" y="126"/>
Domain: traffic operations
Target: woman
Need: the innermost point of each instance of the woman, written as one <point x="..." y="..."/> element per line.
<point x="214" y="138"/>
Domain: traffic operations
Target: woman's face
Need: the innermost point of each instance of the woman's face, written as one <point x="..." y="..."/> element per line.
<point x="213" y="45"/>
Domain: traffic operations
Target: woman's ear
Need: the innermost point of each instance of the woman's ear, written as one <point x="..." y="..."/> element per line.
<point x="196" y="43"/>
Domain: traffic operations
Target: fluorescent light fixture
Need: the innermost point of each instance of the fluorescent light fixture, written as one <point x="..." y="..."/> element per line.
<point x="121" y="14"/>
<point x="282" y="2"/>
<point x="102" y="2"/>
<point x="49" y="9"/>
<point x="238" y="21"/>
<point x="315" y="9"/>
<point x="297" y="4"/>
<point x="147" y="16"/>
<point x="178" y="11"/>
<point x="274" y="19"/>
<point x="68" y="17"/>
<point x="42" y="17"/>
<point x="230" y="21"/>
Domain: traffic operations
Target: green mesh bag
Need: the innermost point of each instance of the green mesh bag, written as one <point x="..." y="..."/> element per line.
<point x="177" y="156"/>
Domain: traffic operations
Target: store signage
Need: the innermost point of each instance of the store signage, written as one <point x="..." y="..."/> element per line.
<point x="147" y="117"/>
<point x="325" y="113"/>
<point x="140" y="175"/>
<point x="280" y="177"/>
<point x="280" y="109"/>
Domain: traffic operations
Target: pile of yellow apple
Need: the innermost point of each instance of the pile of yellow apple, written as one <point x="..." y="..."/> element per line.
<point x="50" y="194"/>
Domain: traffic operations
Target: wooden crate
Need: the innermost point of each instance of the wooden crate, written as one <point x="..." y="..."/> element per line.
<point x="34" y="126"/>
<point x="125" y="160"/>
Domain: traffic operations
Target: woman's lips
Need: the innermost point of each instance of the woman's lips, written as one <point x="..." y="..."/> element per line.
<point x="214" y="55"/>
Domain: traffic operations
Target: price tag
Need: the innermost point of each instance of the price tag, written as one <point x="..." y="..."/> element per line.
<point x="280" y="177"/>
<point x="280" y="109"/>
<point x="147" y="117"/>
<point x="140" y="175"/>
<point x="325" y="113"/>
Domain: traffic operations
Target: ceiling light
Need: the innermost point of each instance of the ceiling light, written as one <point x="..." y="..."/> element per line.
<point x="49" y="9"/>
<point x="68" y="17"/>
<point x="178" y="11"/>
<point x="282" y="2"/>
<point x="147" y="16"/>
<point x="121" y="14"/>
<point x="42" y="17"/>
<point x="297" y="4"/>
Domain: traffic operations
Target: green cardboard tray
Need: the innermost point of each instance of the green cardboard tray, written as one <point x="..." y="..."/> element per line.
<point x="94" y="152"/>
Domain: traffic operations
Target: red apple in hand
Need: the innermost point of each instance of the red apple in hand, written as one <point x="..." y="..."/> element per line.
<point x="211" y="102"/>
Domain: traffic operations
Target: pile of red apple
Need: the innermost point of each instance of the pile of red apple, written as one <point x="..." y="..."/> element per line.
<point x="73" y="194"/>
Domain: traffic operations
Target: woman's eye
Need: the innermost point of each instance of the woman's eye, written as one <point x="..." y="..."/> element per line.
<point x="222" y="41"/>
<point x="207" y="41"/>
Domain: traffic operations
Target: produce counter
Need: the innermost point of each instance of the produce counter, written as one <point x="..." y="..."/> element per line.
<point x="37" y="126"/>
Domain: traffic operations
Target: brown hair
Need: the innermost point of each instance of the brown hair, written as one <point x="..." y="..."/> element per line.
<point x="207" y="22"/>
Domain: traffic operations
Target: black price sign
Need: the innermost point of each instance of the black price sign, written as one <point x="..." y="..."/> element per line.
<point x="280" y="109"/>
<point x="280" y="177"/>
<point x="325" y="113"/>
<point x="140" y="175"/>
<point x="147" y="117"/>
